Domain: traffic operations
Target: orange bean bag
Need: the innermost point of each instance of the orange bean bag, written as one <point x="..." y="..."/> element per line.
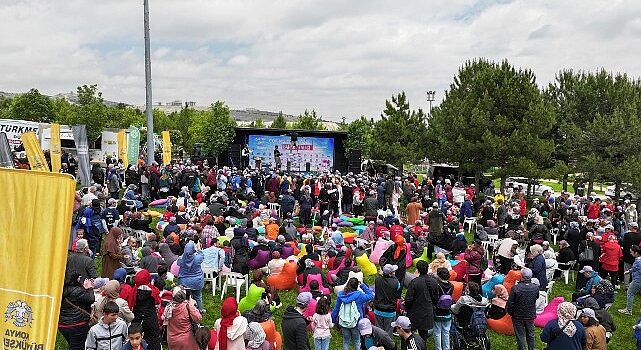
<point x="510" y="280"/>
<point x="458" y="290"/>
<point x="502" y="325"/>
<point x="273" y="337"/>
<point x="286" y="279"/>
<point x="453" y="275"/>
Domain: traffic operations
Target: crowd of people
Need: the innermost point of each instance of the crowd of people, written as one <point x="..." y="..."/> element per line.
<point x="322" y="235"/>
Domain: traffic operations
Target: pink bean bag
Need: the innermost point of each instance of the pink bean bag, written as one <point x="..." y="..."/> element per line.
<point x="260" y="261"/>
<point x="502" y="325"/>
<point x="318" y="278"/>
<point x="461" y="270"/>
<point x="334" y="271"/>
<point x="549" y="312"/>
<point x="158" y="202"/>
<point x="174" y="269"/>
<point x="286" y="279"/>
<point x="408" y="255"/>
<point x="379" y="248"/>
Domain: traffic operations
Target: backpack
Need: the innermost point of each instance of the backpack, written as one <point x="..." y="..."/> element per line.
<point x="348" y="315"/>
<point x="587" y="254"/>
<point x="445" y="301"/>
<point x="478" y="323"/>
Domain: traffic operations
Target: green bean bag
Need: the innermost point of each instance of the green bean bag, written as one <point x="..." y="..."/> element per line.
<point x="253" y="296"/>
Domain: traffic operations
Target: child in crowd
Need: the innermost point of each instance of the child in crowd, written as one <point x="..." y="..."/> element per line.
<point x="136" y="341"/>
<point x="322" y="324"/>
<point x="110" y="332"/>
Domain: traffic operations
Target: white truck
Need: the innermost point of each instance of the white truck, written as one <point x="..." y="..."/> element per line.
<point x="14" y="128"/>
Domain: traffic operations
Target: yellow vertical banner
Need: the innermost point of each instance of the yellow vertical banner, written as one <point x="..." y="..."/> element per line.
<point x="122" y="147"/>
<point x="166" y="147"/>
<point x="55" y="150"/>
<point x="30" y="300"/>
<point x="37" y="160"/>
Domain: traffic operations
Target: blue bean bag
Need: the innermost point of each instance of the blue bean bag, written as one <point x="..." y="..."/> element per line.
<point x="359" y="229"/>
<point x="489" y="285"/>
<point x="345" y="224"/>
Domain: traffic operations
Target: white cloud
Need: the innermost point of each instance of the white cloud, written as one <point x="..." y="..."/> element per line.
<point x="341" y="58"/>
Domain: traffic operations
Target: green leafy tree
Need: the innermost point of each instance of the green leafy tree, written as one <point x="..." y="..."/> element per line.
<point x="32" y="106"/>
<point x="5" y="104"/>
<point x="493" y="116"/>
<point x="279" y="122"/>
<point x="163" y="122"/>
<point x="399" y="133"/>
<point x="309" y="121"/>
<point x="258" y="123"/>
<point x="91" y="111"/>
<point x="359" y="136"/>
<point x="214" y="129"/>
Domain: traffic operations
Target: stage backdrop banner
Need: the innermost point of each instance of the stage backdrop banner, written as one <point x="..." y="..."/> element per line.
<point x="55" y="148"/>
<point x="318" y="151"/>
<point x="133" y="145"/>
<point x="166" y="147"/>
<point x="80" y="137"/>
<point x="122" y="147"/>
<point x="30" y="297"/>
<point x="6" y="157"/>
<point x="36" y="158"/>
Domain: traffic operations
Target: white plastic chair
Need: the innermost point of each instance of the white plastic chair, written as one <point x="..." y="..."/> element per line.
<point x="140" y="235"/>
<point x="274" y="206"/>
<point x="554" y="233"/>
<point x="470" y="223"/>
<point x="234" y="279"/>
<point x="359" y="277"/>
<point x="549" y="290"/>
<point x="486" y="248"/>
<point x="566" y="272"/>
<point x="209" y="277"/>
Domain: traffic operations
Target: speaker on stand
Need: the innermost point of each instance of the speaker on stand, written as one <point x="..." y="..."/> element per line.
<point x="354" y="161"/>
<point x="234" y="155"/>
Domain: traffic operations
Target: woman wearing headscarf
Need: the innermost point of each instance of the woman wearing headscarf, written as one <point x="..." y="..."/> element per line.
<point x="149" y="261"/>
<point x="111" y="256"/>
<point x="595" y="338"/>
<point x="167" y="255"/>
<point x="143" y="302"/>
<point x="110" y="292"/>
<point x="230" y="327"/>
<point x="178" y="317"/>
<point x="256" y="337"/>
<point x="260" y="312"/>
<point x="120" y="275"/>
<point x="75" y="311"/>
<point x="395" y="255"/>
<point x="564" y="332"/>
<point x="191" y="273"/>
<point x="240" y="247"/>
<point x="474" y="256"/>
<point x="538" y="267"/>
<point x="497" y="308"/>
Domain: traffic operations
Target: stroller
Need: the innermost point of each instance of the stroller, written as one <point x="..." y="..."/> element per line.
<point x="468" y="331"/>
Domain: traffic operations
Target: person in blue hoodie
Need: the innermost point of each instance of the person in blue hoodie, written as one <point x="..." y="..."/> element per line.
<point x="350" y="294"/>
<point x="191" y="272"/>
<point x="592" y="278"/>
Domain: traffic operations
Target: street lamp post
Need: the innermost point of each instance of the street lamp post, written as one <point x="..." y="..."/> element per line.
<point x="431" y="94"/>
<point x="148" y="108"/>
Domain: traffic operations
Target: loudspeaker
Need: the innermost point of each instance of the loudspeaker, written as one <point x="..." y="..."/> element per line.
<point x="308" y="167"/>
<point x="354" y="161"/>
<point x="234" y="155"/>
<point x="355" y="155"/>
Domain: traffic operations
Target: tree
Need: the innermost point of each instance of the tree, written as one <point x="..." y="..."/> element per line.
<point x="309" y="121"/>
<point x="163" y="122"/>
<point x="5" y="104"/>
<point x="279" y="122"/>
<point x="493" y="116"/>
<point x="399" y="133"/>
<point x="214" y="129"/>
<point x="258" y="123"/>
<point x="32" y="106"/>
<point x="91" y="111"/>
<point x="359" y="136"/>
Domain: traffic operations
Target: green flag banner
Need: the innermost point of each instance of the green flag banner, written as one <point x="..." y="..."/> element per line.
<point x="133" y="145"/>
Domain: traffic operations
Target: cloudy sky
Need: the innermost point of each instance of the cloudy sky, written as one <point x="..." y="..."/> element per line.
<point x="342" y="58"/>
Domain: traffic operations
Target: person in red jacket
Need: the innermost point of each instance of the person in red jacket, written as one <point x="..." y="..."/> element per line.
<point x="471" y="191"/>
<point x="611" y="254"/>
<point x="396" y="230"/>
<point x="594" y="210"/>
<point x="473" y="256"/>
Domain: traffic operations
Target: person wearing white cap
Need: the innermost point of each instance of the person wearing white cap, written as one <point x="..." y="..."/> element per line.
<point x="373" y="337"/>
<point x="594" y="332"/>
<point x="409" y="340"/>
<point x="388" y="291"/>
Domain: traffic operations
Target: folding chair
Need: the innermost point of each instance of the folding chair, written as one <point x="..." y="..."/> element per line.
<point x="554" y="233"/>
<point x="209" y="277"/>
<point x="274" y="206"/>
<point x="234" y="279"/>
<point x="566" y="272"/>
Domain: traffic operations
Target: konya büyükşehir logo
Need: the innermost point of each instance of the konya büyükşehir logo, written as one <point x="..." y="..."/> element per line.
<point x="19" y="312"/>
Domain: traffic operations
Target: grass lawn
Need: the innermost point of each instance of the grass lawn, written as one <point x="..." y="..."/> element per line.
<point x="622" y="338"/>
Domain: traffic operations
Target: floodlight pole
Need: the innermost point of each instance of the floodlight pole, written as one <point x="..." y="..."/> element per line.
<point x="148" y="108"/>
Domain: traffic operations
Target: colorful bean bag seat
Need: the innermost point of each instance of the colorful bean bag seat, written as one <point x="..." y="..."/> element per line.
<point x="408" y="255"/>
<point x="380" y="247"/>
<point x="489" y="285"/>
<point x="310" y="310"/>
<point x="511" y="278"/>
<point x="368" y="267"/>
<point x="461" y="270"/>
<point x="260" y="261"/>
<point x="294" y="246"/>
<point x="337" y="220"/>
<point x="423" y="257"/>
<point x="358" y="275"/>
<point x="222" y="239"/>
<point x="356" y="220"/>
<point x="260" y="230"/>
<point x="458" y="290"/>
<point x="286" y="279"/>
<point x="253" y="296"/>
<point x="549" y="312"/>
<point x="345" y="224"/>
<point x="318" y="278"/>
<point x="334" y="271"/>
<point x="453" y="275"/>
<point x="359" y="229"/>
<point x="502" y="325"/>
<point x="152" y="213"/>
<point x="158" y="202"/>
<point x="286" y="251"/>
<point x="273" y="337"/>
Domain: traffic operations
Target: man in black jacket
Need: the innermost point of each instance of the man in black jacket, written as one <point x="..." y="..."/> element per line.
<point x="294" y="325"/>
<point x="79" y="263"/>
<point x="388" y="290"/>
<point x="521" y="305"/>
<point x="422" y="294"/>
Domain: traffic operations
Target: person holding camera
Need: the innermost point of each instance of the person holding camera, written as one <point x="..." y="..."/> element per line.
<point x="191" y="273"/>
